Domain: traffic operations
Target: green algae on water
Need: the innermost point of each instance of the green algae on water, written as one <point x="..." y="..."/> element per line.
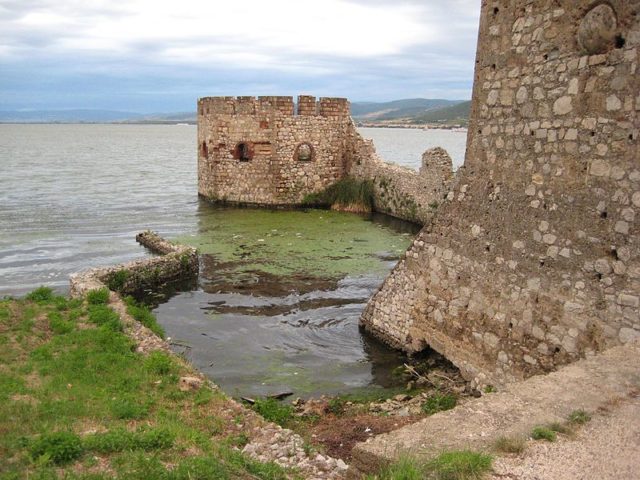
<point x="282" y="242"/>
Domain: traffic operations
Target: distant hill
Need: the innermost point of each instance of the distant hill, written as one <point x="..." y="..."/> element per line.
<point x="458" y="113"/>
<point x="407" y="108"/>
<point x="411" y="110"/>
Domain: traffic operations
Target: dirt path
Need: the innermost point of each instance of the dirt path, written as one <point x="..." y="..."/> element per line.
<point x="608" y="447"/>
<point x="588" y="385"/>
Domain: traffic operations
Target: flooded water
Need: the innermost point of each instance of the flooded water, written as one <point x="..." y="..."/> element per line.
<point x="405" y="146"/>
<point x="278" y="299"/>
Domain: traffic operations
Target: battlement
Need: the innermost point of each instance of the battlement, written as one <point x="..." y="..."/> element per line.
<point x="306" y="106"/>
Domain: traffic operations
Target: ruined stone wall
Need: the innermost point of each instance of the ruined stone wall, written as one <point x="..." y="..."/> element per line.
<point x="401" y="191"/>
<point x="534" y="260"/>
<point x="256" y="150"/>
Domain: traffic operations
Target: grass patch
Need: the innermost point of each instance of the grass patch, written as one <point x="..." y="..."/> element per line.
<point x="459" y="465"/>
<point x="160" y="363"/>
<point x="578" y="417"/>
<point x="58" y="324"/>
<point x="346" y="192"/>
<point x="439" y="403"/>
<point x="117" y="280"/>
<point x="544" y="433"/>
<point x="406" y="468"/>
<point x="57" y="447"/>
<point x="98" y="297"/>
<point x="273" y="410"/>
<point x="41" y="295"/>
<point x="73" y="397"/>
<point x="143" y="314"/>
<point x="510" y="444"/>
<point x="456" y="465"/>
<point x="106" y="318"/>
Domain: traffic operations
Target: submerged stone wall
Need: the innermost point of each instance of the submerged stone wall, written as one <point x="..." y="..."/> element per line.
<point x="259" y="151"/>
<point x="534" y="260"/>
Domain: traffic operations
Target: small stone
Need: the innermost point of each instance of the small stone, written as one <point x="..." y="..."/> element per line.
<point x="613" y="103"/>
<point x="549" y="238"/>
<point x="599" y="168"/>
<point x="189" y="383"/>
<point x="626" y="335"/>
<point x="621" y="227"/>
<point x="602" y="266"/>
<point x="563" y="105"/>
<point x="629" y="300"/>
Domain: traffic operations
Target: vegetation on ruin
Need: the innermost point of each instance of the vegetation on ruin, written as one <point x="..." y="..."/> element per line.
<point x="76" y="401"/>
<point x="455" y="465"/>
<point x="117" y="280"/>
<point x="348" y="194"/>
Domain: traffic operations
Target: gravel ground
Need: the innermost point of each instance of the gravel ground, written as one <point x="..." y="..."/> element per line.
<point x="608" y="447"/>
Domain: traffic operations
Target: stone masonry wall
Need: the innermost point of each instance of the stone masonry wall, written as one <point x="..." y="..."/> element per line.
<point x="286" y="156"/>
<point x="401" y="191"/>
<point x="534" y="260"/>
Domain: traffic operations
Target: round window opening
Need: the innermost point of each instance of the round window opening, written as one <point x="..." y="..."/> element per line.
<point x="304" y="152"/>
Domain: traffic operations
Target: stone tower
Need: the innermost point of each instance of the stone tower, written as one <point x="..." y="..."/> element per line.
<point x="534" y="260"/>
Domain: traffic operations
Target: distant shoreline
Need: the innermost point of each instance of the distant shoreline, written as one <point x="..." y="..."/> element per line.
<point x="456" y="128"/>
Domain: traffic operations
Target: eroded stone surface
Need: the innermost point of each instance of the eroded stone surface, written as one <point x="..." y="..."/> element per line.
<point x="597" y="29"/>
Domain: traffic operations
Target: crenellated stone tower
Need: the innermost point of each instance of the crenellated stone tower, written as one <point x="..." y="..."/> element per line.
<point x="259" y="151"/>
<point x="534" y="260"/>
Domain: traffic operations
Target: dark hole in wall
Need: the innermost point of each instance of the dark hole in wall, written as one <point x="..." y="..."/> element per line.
<point x="603" y="214"/>
<point x="620" y="41"/>
<point x="496" y="10"/>
<point x="631" y="136"/>
<point x="593" y="134"/>
<point x="546" y="57"/>
<point x="204" y="150"/>
<point x="243" y="152"/>
<point x="493" y="66"/>
<point x="614" y="253"/>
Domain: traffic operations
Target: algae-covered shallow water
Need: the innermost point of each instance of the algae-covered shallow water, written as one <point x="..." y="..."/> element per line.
<point x="278" y="299"/>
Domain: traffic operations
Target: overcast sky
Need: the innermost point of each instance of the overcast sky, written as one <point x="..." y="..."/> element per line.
<point x="159" y="56"/>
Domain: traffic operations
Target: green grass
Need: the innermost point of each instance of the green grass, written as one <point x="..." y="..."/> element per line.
<point x="578" y="417"/>
<point x="117" y="280"/>
<point x="439" y="403"/>
<point x="456" y="465"/>
<point x="143" y="314"/>
<point x="345" y="192"/>
<point x="544" y="433"/>
<point x="76" y="399"/>
<point x="41" y="295"/>
<point x="274" y="410"/>
<point x="98" y="297"/>
<point x="406" y="468"/>
<point x="461" y="465"/>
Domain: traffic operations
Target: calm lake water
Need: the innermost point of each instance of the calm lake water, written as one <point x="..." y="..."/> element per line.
<point x="280" y="292"/>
